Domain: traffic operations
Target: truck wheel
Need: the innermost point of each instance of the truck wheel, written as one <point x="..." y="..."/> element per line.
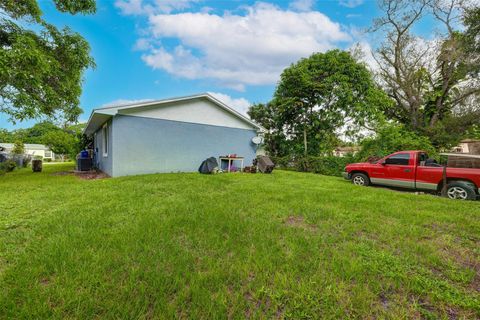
<point x="461" y="191"/>
<point x="360" y="179"/>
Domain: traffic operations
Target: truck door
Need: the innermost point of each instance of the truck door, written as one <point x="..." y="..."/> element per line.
<point x="398" y="171"/>
<point x="428" y="173"/>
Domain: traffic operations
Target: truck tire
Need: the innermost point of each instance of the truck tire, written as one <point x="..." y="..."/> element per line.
<point x="461" y="191"/>
<point x="360" y="179"/>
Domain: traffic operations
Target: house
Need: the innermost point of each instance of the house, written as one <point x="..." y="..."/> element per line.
<point x="171" y="135"/>
<point x="343" y="151"/>
<point x="470" y="146"/>
<point x="30" y="149"/>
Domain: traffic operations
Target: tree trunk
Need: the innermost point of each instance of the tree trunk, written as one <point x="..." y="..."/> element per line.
<point x="414" y="117"/>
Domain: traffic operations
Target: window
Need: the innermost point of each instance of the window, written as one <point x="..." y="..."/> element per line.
<point x="399" y="159"/>
<point x="422" y="158"/>
<point x="48" y="154"/>
<point x="105" y="140"/>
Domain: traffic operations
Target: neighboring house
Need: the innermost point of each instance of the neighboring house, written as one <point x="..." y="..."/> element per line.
<point x="470" y="146"/>
<point x="172" y="135"/>
<point x="343" y="151"/>
<point x="30" y="149"/>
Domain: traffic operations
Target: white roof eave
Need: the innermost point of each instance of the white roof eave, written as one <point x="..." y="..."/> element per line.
<point x="97" y="119"/>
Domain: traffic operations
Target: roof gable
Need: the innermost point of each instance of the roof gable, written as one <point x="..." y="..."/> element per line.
<point x="202" y="109"/>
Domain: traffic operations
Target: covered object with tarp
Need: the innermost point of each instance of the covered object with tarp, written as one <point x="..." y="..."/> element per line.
<point x="208" y="166"/>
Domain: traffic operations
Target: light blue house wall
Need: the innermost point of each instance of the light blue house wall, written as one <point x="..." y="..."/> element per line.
<point x="169" y="135"/>
<point x="145" y="145"/>
<point x="104" y="163"/>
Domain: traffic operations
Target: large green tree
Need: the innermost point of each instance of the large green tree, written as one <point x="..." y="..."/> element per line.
<point x="315" y="99"/>
<point x="6" y="136"/>
<point x="434" y="82"/>
<point x="65" y="139"/>
<point x="471" y="20"/>
<point x="36" y="133"/>
<point x="41" y="67"/>
<point x="61" y="143"/>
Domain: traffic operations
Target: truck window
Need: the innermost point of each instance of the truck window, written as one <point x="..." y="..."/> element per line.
<point x="401" y="159"/>
<point x="422" y="158"/>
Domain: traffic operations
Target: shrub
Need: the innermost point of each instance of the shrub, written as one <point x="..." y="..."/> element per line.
<point x="391" y="138"/>
<point x="26" y="160"/>
<point x="326" y="165"/>
<point x="8" y="166"/>
<point x="285" y="162"/>
<point x="18" y="148"/>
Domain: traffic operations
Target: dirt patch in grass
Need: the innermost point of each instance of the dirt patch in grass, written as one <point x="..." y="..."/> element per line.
<point x="62" y="173"/>
<point x="299" y="222"/>
<point x="44" y="282"/>
<point x="467" y="260"/>
<point x="84" y="175"/>
<point x="475" y="285"/>
<point x="384" y="301"/>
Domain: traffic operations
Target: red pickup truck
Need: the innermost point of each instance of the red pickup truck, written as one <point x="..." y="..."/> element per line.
<point x="414" y="170"/>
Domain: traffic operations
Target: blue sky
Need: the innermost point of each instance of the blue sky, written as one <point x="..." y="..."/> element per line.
<point x="153" y="49"/>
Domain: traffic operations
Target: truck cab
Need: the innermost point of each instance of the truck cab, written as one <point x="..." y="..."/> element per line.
<point x="414" y="170"/>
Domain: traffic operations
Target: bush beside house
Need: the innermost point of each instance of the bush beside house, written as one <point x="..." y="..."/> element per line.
<point x="7" y="166"/>
<point x="326" y="165"/>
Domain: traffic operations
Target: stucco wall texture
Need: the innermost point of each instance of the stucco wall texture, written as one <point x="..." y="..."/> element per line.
<point x="144" y="145"/>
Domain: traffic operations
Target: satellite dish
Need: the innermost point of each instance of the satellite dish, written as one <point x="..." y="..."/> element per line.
<point x="257" y="140"/>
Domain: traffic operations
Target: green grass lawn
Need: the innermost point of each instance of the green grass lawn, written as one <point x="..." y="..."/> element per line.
<point x="285" y="245"/>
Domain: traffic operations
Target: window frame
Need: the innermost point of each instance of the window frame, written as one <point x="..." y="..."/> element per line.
<point x="105" y="141"/>
<point x="398" y="164"/>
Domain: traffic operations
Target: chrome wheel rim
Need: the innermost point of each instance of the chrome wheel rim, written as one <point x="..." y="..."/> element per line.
<point x="457" y="193"/>
<point x="359" y="181"/>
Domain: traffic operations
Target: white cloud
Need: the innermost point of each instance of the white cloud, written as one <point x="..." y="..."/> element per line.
<point x="121" y="102"/>
<point x="302" y="5"/>
<point x="351" y="3"/>
<point x="362" y="48"/>
<point x="138" y="7"/>
<point x="239" y="104"/>
<point x="364" y="51"/>
<point x="239" y="50"/>
<point x="142" y="44"/>
<point x="131" y="7"/>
